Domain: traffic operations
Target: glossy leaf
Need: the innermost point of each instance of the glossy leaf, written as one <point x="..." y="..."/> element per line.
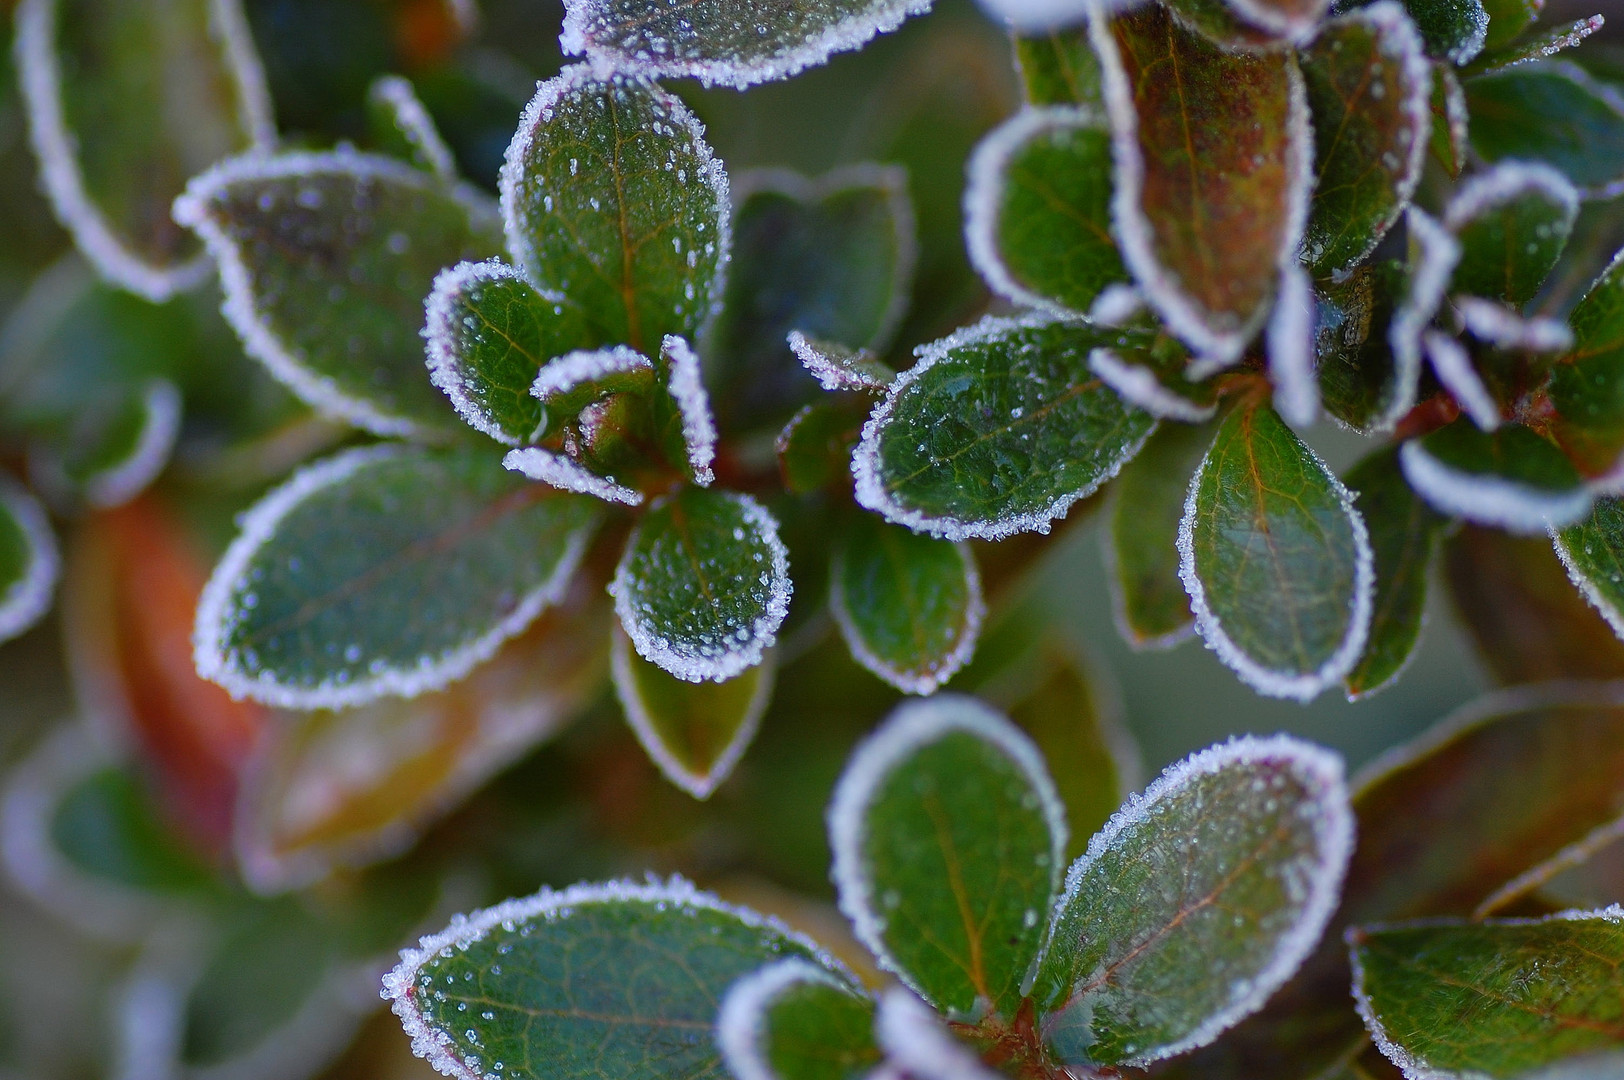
<point x="696" y="732"/>
<point x="1593" y="552"/>
<point x="1369" y="89"/>
<point x="1153" y="610"/>
<point x="1513" y="222"/>
<point x="1038" y="209"/>
<point x="908" y="605"/>
<point x="1510" y="477"/>
<point x="325" y="260"/>
<point x="1233" y="856"/>
<point x="1508" y="19"/>
<point x="1404" y="533"/>
<point x="1275" y="558"/>
<point x="947" y="838"/>
<point x="1552" y="112"/>
<point x="1546" y="42"/>
<point x="1587" y="388"/>
<point x="614" y="204"/>
<point x="1207" y="211"/>
<point x="1498" y="998"/>
<point x="1454" y="30"/>
<point x="725" y="42"/>
<point x="794" y="1021"/>
<point x="703" y="585"/>
<point x="615" y="979"/>
<point x="814" y="449"/>
<point x="29" y="562"/>
<point x="177" y="86"/>
<point x="384" y="571"/>
<point x="1059" y="67"/>
<point x="997" y="429"/>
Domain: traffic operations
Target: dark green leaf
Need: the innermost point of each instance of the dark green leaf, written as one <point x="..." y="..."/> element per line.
<point x="1210" y="168"/>
<point x="1195" y="903"/>
<point x="908" y="605"/>
<point x="1368" y="90"/>
<point x="814" y="449"/>
<point x="613" y="980"/>
<point x="1508" y="19"/>
<point x="384" y="570"/>
<point x="1453" y="30"/>
<point x="997" y="429"/>
<point x="125" y="102"/>
<point x="1038" y="209"/>
<point x="403" y="128"/>
<point x="1593" y="552"/>
<point x="1449" y="120"/>
<point x="1275" y="557"/>
<point x="28" y="560"/>
<point x="704" y="584"/>
<point x="1059" y="68"/>
<point x="1513" y="222"/>
<point x="1587" y="388"/>
<point x="1491" y="999"/>
<point x="326" y="259"/>
<point x="1153" y="610"/>
<point x="1364" y="381"/>
<point x="947" y="838"/>
<point x="1550" y="111"/>
<point x="1509" y="477"/>
<point x="124" y="441"/>
<point x="614" y="204"/>
<point x="696" y="732"/>
<point x="794" y="1021"/>
<point x="1547" y="42"/>
<point x="1404" y="532"/>
<point x="840" y="367"/>
<point x="107" y="826"/>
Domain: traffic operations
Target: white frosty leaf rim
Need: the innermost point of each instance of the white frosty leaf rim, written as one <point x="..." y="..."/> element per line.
<point x="940" y="669"/>
<point x="912" y="726"/>
<point x="762" y="632"/>
<point x="26" y="600"/>
<point x="1437" y="253"/>
<point x="1294" y="685"/>
<point x="414" y="124"/>
<point x="1028" y="16"/>
<point x="830" y="373"/>
<point x="686" y="386"/>
<point x="1412" y="1067"/>
<point x="1133" y="231"/>
<point x="1573" y="35"/>
<point x="1582" y="581"/>
<point x="914" y="1039"/>
<point x="1294" y="29"/>
<point x="579" y="78"/>
<point x="1116" y="305"/>
<point x="56" y="147"/>
<point x="580" y="37"/>
<point x="1496" y="324"/>
<point x="573" y="369"/>
<point x="240" y="308"/>
<point x="701" y="785"/>
<point x="1290" y="345"/>
<point x="1138" y="385"/>
<point x="987" y="182"/>
<point x="440" y="323"/>
<point x="1453" y="366"/>
<point x="160" y="426"/>
<point x="257" y="527"/>
<point x="741" y="1032"/>
<point x="1608" y="95"/>
<point x="889" y="180"/>
<point x="560" y="472"/>
<point x="1321" y="772"/>
<point x="1396" y="32"/>
<point x="435" y="1046"/>
<point x="870" y="487"/>
<point x="1489" y="499"/>
<point x="1507" y="182"/>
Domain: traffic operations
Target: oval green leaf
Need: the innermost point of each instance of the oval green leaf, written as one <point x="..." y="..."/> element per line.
<point x="1510" y="477"/>
<point x="1152" y="608"/>
<point x="1513" y="222"/>
<point x="1555" y="112"/>
<point x="1587" y="386"/>
<point x="793" y="1020"/>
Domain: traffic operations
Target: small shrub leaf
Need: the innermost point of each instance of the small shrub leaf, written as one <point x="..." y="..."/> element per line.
<point x="1593" y="552"/>
<point x="1289" y="341"/>
<point x="1037" y="209"/>
<point x="616" y="979"/>
<point x="404" y="128"/>
<point x="909" y="606"/>
<point x="1510" y="478"/>
<point x="1205" y="226"/>
<point x="1234" y="855"/>
<point x="683" y="412"/>
<point x="560" y="472"/>
<point x="1153" y="610"/>
<point x="1029" y="431"/>
<point x="1513" y="222"/>
<point x="1275" y="558"/>
<point x="1508" y="19"/>
<point x="1545" y="43"/>
<point x="29" y="562"/>
<point x="1155" y="378"/>
<point x="1554" y="112"/>
<point x="384" y="570"/>
<point x="1404" y="534"/>
<point x="1500" y="998"/>
<point x="1452" y="364"/>
<point x="696" y="732"/>
<point x="1587" y="387"/>
<point x="1453" y="30"/>
<point x="1059" y="68"/>
<point x="612" y="197"/>
<point x="948" y="838"/>
<point x="814" y="449"/>
<point x="838" y="367"/>
<point x="1500" y="327"/>
<point x="793" y="1020"/>
<point x="1369" y="90"/>
<point x="703" y="585"/>
<point x="325" y="260"/>
<point x="725" y="42"/>
<point x="1448" y="143"/>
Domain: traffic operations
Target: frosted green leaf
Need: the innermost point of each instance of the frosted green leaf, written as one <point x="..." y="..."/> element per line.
<point x="1554" y="112"/>
<point x="325" y="260"/>
<point x="1593" y="552"/>
<point x="1152" y="608"/>
<point x="1454" y="30"/>
<point x="1513" y="223"/>
<point x="1275" y="558"/>
<point x="1059" y="67"/>
<point x="704" y="584"/>
<point x="1546" y="42"/>
<point x="1195" y="903"/>
<point x="403" y="127"/>
<point x="997" y="429"/>
<point x="947" y="838"/>
<point x="840" y="367"/>
<point x="1511" y="477"/>
<point x="613" y="202"/>
<point x="615" y="980"/>
<point x="1508" y="19"/>
<point x="793" y="1020"/>
<point x="1448" y="143"/>
<point x="1587" y="387"/>
<point x="385" y="570"/>
<point x="29" y="562"/>
<point x="814" y="449"/>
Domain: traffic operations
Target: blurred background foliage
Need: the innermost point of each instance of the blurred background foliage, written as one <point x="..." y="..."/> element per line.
<point x="129" y="943"/>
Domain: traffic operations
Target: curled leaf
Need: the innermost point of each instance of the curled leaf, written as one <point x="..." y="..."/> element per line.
<point x="1509" y="477"/>
<point x="793" y="1020"/>
<point x="29" y="562"/>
